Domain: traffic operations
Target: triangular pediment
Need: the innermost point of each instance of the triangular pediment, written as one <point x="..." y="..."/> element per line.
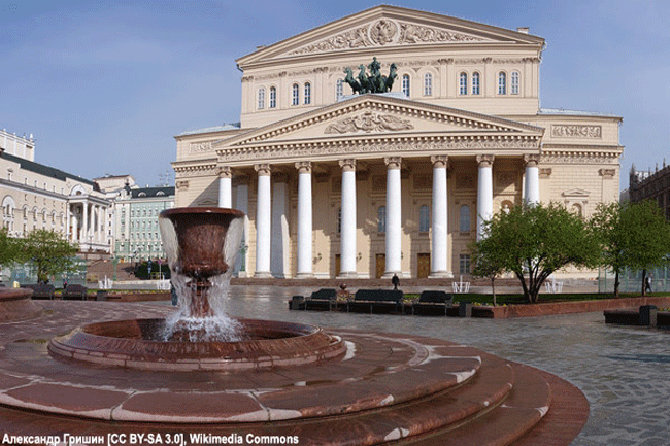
<point x="373" y="116"/>
<point x="387" y="27"/>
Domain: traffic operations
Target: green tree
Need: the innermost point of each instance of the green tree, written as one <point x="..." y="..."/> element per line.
<point x="632" y="235"/>
<point x="9" y="249"/>
<point x="486" y="265"/>
<point x="48" y="253"/>
<point x="533" y="241"/>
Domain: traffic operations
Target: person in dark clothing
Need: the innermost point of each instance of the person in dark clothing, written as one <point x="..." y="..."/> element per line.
<point x="395" y="281"/>
<point x="647" y="284"/>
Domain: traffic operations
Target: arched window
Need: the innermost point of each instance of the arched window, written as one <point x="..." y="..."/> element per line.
<point x="405" y="84"/>
<point x="475" y="83"/>
<point x="424" y="219"/>
<point x="428" y="84"/>
<point x="514" y="83"/>
<point x="296" y="94"/>
<point x="339" y="89"/>
<point x="464" y="220"/>
<point x="463" y="84"/>
<point x="308" y="93"/>
<point x="502" y="83"/>
<point x="273" y="97"/>
<point x="261" y="99"/>
<point x="381" y="219"/>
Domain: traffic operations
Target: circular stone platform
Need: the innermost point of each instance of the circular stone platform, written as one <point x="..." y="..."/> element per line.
<point x="384" y="388"/>
<point x="16" y="304"/>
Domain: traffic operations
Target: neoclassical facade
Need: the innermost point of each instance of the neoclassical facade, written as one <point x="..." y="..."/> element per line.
<point x="342" y="185"/>
<point x="35" y="196"/>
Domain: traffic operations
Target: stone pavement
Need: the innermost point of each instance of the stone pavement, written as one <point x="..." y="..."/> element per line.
<point x="623" y="371"/>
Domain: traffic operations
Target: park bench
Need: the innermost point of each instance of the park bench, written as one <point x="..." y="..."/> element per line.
<point x="322" y="299"/>
<point x="41" y="291"/>
<point x="75" y="292"/>
<point x="379" y="300"/>
<point x="433" y="302"/>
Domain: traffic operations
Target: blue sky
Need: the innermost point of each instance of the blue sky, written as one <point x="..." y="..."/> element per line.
<point x="105" y="85"/>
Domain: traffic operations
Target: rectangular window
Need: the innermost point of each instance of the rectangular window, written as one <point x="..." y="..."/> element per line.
<point x="514" y="83"/>
<point x="308" y="93"/>
<point x="465" y="263"/>
<point x="475" y="83"/>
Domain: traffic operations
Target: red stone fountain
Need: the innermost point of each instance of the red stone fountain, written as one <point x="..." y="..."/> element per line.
<point x="272" y="382"/>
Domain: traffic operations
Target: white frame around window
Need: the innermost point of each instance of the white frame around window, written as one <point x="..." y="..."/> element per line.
<point x="296" y="94"/>
<point x="475" y="83"/>
<point x="308" y="93"/>
<point x="261" y="98"/>
<point x="428" y="84"/>
<point x="405" y="84"/>
<point x="502" y="83"/>
<point x="514" y="83"/>
<point x="273" y="97"/>
<point x="463" y="83"/>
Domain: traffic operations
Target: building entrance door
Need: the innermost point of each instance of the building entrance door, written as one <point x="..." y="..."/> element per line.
<point x="422" y="264"/>
<point x="380" y="265"/>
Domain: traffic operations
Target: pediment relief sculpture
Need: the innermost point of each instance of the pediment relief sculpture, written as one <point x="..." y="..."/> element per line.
<point x="384" y="32"/>
<point x="369" y="122"/>
<point x="576" y="193"/>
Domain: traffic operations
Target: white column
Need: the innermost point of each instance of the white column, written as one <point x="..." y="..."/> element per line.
<point x="304" y="219"/>
<point x="75" y="224"/>
<point x="84" y="223"/>
<point x="484" y="191"/>
<point x="225" y="187"/>
<point x="263" y="222"/>
<point x="348" y="220"/>
<point x="532" y="183"/>
<point x="242" y="204"/>
<point x="280" y="235"/>
<point x="438" y="257"/>
<point x="68" y="233"/>
<point x="393" y="236"/>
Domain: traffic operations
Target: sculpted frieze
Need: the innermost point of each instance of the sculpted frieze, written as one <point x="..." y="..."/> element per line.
<point x="369" y="122"/>
<point x="576" y="131"/>
<point x="196" y="147"/>
<point x="277" y="153"/>
<point x="195" y="171"/>
<point x="384" y="32"/>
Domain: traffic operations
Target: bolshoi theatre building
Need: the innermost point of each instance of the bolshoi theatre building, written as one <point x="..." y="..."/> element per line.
<point x="337" y="184"/>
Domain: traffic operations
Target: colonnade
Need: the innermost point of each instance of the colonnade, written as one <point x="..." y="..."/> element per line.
<point x="348" y="217"/>
<point x="91" y="220"/>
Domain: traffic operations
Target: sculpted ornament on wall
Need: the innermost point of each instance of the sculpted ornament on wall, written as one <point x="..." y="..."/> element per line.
<point x="384" y="32"/>
<point x="576" y="131"/>
<point x="369" y="122"/>
<point x="200" y="147"/>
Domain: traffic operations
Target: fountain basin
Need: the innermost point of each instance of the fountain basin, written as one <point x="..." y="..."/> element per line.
<point x="136" y="344"/>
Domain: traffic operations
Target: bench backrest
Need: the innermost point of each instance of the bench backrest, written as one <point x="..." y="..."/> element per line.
<point x="435" y="297"/>
<point x="41" y="289"/>
<point x="379" y="295"/>
<point x="325" y="294"/>
<point x="75" y="289"/>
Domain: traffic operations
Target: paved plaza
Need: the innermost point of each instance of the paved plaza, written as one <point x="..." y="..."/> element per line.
<point x="623" y="371"/>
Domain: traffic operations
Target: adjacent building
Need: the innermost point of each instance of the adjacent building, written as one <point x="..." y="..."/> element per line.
<point x="651" y="186"/>
<point x="35" y="196"/>
<point x="341" y="185"/>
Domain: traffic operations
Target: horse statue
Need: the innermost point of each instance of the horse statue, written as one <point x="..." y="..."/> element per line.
<point x="388" y="80"/>
<point x="352" y="81"/>
<point x="363" y="79"/>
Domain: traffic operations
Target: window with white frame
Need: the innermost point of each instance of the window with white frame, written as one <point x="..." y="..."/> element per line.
<point x="405" y="84"/>
<point x="428" y="84"/>
<point x="502" y="83"/>
<point x="339" y="89"/>
<point x="475" y="83"/>
<point x="308" y="93"/>
<point x="465" y="263"/>
<point x="514" y="83"/>
<point x="296" y="95"/>
<point x="273" y="97"/>
<point x="463" y="84"/>
<point x="261" y="98"/>
<point x="424" y="219"/>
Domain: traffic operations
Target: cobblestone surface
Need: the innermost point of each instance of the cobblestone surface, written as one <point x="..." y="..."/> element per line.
<point x="623" y="371"/>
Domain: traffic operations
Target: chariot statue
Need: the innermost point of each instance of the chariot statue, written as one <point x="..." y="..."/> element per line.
<point x="373" y="82"/>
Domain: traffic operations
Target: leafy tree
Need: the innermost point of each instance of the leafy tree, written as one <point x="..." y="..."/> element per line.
<point x="9" y="249"/>
<point x="486" y="265"/>
<point x="48" y="253"/>
<point x="632" y="235"/>
<point x="533" y="241"/>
